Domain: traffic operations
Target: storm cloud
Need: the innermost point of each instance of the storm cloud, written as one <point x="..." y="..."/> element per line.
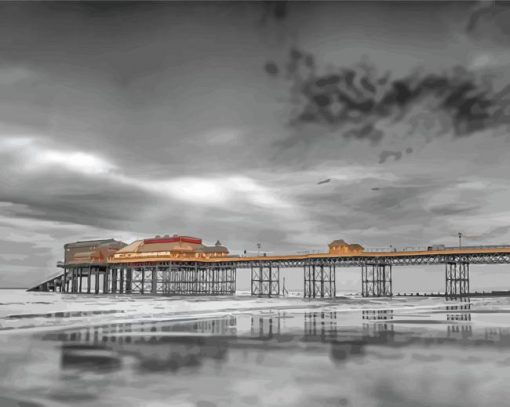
<point x="359" y="101"/>
<point x="126" y="120"/>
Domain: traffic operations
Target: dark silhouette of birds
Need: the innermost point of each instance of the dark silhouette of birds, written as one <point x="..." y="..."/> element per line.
<point x="325" y="181"/>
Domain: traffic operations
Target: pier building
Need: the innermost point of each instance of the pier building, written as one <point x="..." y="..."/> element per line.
<point x="341" y="247"/>
<point x="83" y="260"/>
<point x="175" y="247"/>
<point x="94" y="252"/>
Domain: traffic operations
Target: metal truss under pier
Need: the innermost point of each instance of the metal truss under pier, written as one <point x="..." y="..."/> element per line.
<point x="173" y="279"/>
<point x="376" y="280"/>
<point x="320" y="281"/>
<point x="265" y="280"/>
<point x="457" y="279"/>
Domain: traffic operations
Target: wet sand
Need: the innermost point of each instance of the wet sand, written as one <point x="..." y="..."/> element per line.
<point x="347" y="352"/>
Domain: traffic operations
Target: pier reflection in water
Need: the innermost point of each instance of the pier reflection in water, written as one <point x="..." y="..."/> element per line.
<point x="280" y="358"/>
<point x="173" y="345"/>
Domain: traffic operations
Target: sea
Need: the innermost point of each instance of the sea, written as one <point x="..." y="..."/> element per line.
<point x="86" y="350"/>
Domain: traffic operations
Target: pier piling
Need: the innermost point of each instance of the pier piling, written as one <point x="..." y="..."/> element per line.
<point x="457" y="279"/>
<point x="265" y="279"/>
<point x="319" y="280"/>
<point x="376" y="280"/>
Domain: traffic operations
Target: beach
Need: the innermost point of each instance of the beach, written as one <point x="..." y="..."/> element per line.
<point x="58" y="350"/>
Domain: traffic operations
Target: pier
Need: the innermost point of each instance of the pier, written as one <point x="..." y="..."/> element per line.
<point x="181" y="265"/>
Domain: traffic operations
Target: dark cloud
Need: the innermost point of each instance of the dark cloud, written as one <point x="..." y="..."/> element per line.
<point x="76" y="199"/>
<point x="354" y="100"/>
<point x="384" y="155"/>
<point x="271" y="68"/>
<point x="490" y="19"/>
<point x="278" y="10"/>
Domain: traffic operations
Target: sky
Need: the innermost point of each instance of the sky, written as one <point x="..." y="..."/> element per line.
<point x="218" y="120"/>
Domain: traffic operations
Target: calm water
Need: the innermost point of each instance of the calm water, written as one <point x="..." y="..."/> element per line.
<point x="132" y="351"/>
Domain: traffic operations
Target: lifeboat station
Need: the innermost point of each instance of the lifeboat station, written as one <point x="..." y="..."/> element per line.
<point x="184" y="265"/>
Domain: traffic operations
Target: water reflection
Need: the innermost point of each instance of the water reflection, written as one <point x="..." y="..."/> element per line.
<point x="462" y="317"/>
<point x="170" y="346"/>
<point x="322" y="326"/>
<point x="318" y="357"/>
<point x="265" y="326"/>
<point x="156" y="346"/>
<point x="377" y="314"/>
<point x="89" y="357"/>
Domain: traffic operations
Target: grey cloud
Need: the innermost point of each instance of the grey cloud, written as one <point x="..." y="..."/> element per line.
<point x="352" y="211"/>
<point x="148" y="86"/>
<point x="23" y="248"/>
<point x="277" y="10"/>
<point x="448" y="210"/>
<point x="354" y="99"/>
<point x="91" y="79"/>
<point x="69" y="197"/>
<point x="392" y="200"/>
<point x="491" y="235"/>
<point x="25" y="261"/>
<point x="384" y="155"/>
<point x="271" y="68"/>
<point x="490" y="19"/>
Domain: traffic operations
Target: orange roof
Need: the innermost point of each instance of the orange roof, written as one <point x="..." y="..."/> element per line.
<point x="168" y="246"/>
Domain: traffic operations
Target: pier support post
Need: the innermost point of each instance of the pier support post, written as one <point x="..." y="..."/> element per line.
<point x="105" y="281"/>
<point x="457" y="279"/>
<point x="265" y="280"/>
<point x="129" y="280"/>
<point x="89" y="279"/>
<point x="64" y="281"/>
<point x="96" y="282"/>
<point x="154" y="280"/>
<point x="376" y="280"/>
<point x="80" y="275"/>
<point x="319" y="280"/>
<point x="122" y="287"/>
<point x="231" y="279"/>
<point x="114" y="280"/>
<point x="74" y="281"/>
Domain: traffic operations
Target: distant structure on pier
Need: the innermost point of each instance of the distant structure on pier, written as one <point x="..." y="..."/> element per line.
<point x="171" y="246"/>
<point x="95" y="252"/>
<point x="341" y="247"/>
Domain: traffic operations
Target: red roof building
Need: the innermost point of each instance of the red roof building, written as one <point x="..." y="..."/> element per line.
<point x="170" y="246"/>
